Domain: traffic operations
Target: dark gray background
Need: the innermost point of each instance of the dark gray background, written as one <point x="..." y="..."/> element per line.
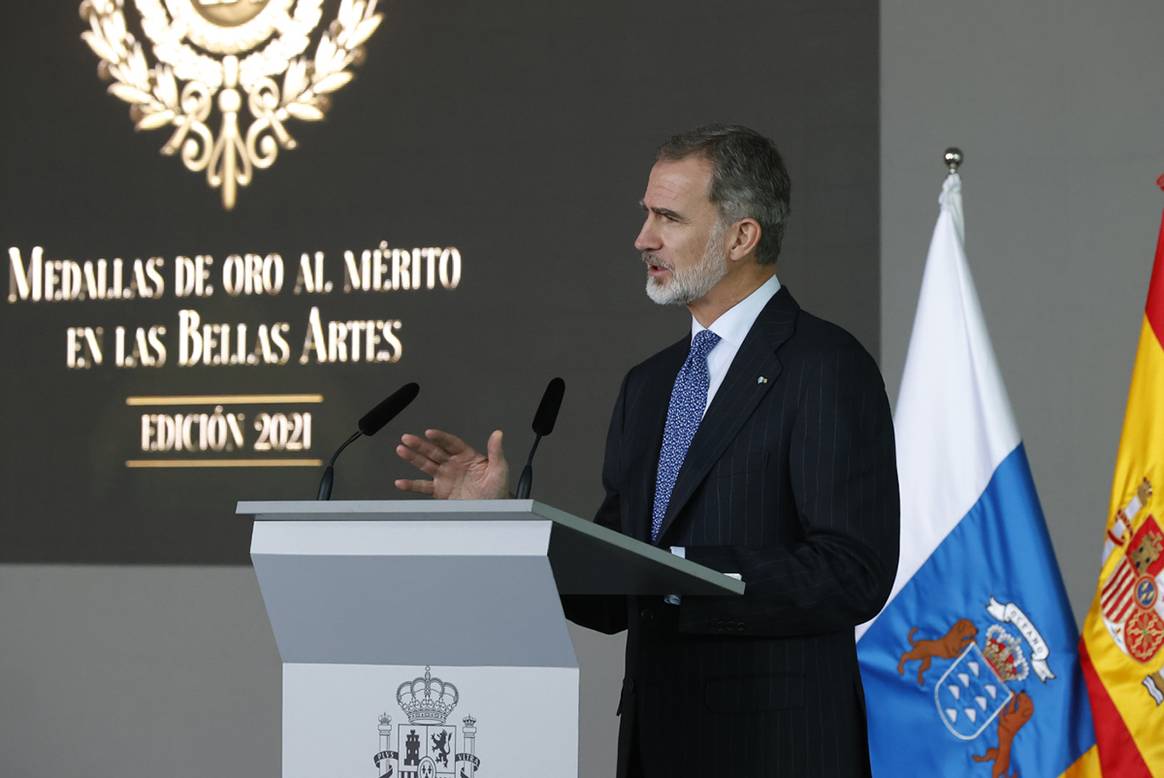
<point x="520" y="133"/>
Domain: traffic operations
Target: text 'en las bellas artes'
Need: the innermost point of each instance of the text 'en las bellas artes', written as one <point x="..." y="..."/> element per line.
<point x="192" y="338"/>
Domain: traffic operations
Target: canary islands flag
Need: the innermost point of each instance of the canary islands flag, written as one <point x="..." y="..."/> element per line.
<point x="971" y="668"/>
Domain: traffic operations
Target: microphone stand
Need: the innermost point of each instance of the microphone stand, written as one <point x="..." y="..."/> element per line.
<point x="328" y="478"/>
<point x="525" y="482"/>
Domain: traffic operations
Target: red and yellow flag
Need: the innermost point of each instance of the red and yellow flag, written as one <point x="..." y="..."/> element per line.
<point x="1122" y="647"/>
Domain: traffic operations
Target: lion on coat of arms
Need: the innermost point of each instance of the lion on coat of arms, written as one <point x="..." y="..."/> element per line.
<point x="1017" y="713"/>
<point x="948" y="646"/>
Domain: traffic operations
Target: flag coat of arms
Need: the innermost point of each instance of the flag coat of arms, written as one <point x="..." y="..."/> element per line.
<point x="971" y="668"/>
<point x="1122" y="646"/>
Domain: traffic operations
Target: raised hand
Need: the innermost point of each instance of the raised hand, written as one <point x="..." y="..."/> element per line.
<point x="457" y="471"/>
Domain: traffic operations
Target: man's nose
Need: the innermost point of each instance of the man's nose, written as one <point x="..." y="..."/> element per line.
<point x="648" y="239"/>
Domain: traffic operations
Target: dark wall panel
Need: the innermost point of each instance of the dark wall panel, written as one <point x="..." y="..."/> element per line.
<point x="519" y="133"/>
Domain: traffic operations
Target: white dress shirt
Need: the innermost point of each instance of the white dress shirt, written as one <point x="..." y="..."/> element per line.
<point x="732" y="327"/>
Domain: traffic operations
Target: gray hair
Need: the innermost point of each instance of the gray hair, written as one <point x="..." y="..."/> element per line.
<point x="748" y="178"/>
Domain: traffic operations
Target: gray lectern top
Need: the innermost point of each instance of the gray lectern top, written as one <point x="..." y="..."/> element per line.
<point x="586" y="558"/>
<point x="458" y="583"/>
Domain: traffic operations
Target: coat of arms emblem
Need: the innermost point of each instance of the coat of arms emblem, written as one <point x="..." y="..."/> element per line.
<point x="981" y="688"/>
<point x="426" y="747"/>
<point x="227" y="78"/>
<point x="1130" y="598"/>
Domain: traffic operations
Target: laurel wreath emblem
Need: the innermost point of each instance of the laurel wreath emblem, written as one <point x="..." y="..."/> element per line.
<point x="199" y="67"/>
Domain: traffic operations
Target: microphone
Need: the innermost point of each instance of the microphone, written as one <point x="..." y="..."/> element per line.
<point x="543" y="425"/>
<point x="374" y="420"/>
<point x="369" y="424"/>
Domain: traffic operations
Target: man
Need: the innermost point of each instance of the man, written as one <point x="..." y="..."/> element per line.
<point x="759" y="444"/>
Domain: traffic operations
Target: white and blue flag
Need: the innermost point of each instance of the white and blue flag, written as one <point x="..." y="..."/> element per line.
<point x="972" y="667"/>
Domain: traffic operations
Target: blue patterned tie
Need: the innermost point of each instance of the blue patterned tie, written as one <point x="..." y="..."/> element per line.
<point x="688" y="400"/>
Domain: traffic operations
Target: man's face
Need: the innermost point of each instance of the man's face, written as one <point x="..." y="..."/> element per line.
<point x="682" y="240"/>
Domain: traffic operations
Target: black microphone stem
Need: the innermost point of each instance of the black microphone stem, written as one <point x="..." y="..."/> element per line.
<point x="525" y="482"/>
<point x="543" y="424"/>
<point x="533" y="449"/>
<point x="371" y="423"/>
<point x="328" y="478"/>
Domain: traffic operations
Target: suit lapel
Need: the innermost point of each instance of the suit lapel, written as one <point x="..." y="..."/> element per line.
<point x="738" y="395"/>
<point x="650" y="417"/>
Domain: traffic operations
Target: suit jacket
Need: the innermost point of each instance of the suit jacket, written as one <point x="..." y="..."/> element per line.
<point x="790" y="481"/>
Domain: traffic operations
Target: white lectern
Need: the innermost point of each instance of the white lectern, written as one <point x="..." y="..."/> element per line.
<point x="425" y="639"/>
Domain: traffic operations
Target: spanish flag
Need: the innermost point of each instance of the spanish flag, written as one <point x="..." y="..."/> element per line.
<point x="1122" y="647"/>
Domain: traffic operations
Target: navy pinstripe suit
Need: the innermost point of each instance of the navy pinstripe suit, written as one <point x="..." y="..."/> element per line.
<point x="792" y="483"/>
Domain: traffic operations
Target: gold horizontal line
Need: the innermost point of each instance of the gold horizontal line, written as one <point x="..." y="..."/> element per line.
<point x="228" y="399"/>
<point x="140" y="463"/>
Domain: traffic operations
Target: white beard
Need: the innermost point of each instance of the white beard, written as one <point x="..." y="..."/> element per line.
<point x="688" y="285"/>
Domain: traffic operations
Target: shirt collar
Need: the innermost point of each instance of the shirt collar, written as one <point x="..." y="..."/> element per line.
<point x="734" y="323"/>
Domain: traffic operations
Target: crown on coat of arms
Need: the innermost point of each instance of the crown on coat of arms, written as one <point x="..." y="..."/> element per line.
<point x="1005" y="654"/>
<point x="427" y="699"/>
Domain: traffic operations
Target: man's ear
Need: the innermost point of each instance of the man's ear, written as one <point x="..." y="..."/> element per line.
<point x="745" y="235"/>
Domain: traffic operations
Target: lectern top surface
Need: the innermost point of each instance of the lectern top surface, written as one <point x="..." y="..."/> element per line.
<point x="587" y="558"/>
<point x="349" y="510"/>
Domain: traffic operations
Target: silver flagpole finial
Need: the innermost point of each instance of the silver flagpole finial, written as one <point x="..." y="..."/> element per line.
<point x="953" y="159"/>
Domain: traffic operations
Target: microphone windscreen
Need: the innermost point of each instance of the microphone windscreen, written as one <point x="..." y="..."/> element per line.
<point x="543" y="423"/>
<point x="383" y="413"/>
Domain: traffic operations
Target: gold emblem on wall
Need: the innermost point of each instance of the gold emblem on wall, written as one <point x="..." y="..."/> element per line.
<point x="252" y="60"/>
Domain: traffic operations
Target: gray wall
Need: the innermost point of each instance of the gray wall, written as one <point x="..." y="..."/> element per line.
<point x="1056" y="107"/>
<point x="136" y="671"/>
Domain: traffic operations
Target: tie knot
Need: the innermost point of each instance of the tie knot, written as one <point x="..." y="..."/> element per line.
<point x="702" y="344"/>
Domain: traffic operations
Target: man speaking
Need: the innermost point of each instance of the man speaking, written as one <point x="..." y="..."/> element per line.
<point x="759" y="444"/>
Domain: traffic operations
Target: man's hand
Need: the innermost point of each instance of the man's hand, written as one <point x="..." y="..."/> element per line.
<point x="458" y="472"/>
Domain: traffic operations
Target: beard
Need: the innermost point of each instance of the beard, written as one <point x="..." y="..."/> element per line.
<point x="687" y="285"/>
